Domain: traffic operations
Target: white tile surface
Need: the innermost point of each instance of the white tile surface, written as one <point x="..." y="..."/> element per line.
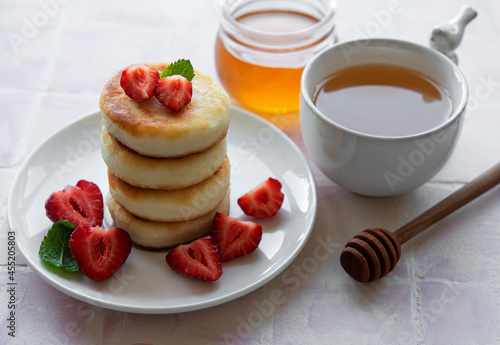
<point x="443" y="291"/>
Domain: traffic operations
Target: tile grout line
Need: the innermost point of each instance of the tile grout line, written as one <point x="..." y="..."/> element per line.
<point x="497" y="8"/>
<point x="416" y="308"/>
<point x="46" y="91"/>
<point x="45" y="78"/>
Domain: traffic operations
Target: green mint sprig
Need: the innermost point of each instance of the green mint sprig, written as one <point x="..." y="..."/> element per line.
<point x="180" y="67"/>
<point x="55" y="250"/>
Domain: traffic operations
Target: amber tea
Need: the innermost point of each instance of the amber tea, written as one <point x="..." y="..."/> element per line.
<point x="383" y="100"/>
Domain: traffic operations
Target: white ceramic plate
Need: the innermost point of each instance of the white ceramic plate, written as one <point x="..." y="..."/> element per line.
<point x="145" y="284"/>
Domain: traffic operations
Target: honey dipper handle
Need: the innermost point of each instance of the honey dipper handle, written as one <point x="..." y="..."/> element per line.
<point x="467" y="193"/>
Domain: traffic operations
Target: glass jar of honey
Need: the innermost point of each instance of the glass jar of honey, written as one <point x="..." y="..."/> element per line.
<point x="263" y="45"/>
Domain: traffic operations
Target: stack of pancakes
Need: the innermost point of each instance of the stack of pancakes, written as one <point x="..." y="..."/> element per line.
<point x="168" y="171"/>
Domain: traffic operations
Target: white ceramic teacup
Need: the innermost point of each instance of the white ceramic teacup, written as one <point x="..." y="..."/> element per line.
<point x="377" y="165"/>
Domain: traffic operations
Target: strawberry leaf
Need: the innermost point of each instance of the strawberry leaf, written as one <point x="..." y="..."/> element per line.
<point x="54" y="249"/>
<point x="180" y="67"/>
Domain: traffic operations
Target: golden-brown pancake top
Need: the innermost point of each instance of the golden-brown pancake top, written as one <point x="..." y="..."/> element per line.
<point x="206" y="116"/>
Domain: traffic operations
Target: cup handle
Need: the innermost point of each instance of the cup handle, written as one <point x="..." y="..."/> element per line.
<point x="446" y="37"/>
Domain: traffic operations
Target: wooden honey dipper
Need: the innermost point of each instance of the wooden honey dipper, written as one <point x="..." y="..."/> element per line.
<point x="373" y="253"/>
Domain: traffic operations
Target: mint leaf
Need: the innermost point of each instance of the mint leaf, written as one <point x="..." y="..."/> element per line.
<point x="54" y="249"/>
<point x="180" y="67"/>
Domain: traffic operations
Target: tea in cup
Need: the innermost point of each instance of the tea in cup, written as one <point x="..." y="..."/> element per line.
<point x="381" y="117"/>
<point x="383" y="99"/>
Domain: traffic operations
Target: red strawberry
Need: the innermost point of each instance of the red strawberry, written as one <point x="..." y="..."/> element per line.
<point x="234" y="237"/>
<point x="174" y="92"/>
<point x="80" y="205"/>
<point x="139" y="81"/>
<point x="100" y="252"/>
<point x="264" y="201"/>
<point x="198" y="259"/>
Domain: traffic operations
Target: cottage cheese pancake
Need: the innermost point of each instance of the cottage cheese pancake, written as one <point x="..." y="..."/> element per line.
<point x="151" y="129"/>
<point x="172" y="205"/>
<point x="160" y="173"/>
<point x="162" y="235"/>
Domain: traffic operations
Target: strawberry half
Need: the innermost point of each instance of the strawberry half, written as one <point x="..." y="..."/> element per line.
<point x="234" y="237"/>
<point x="174" y="92"/>
<point x="139" y="81"/>
<point x="81" y="205"/>
<point x="100" y="252"/>
<point x="264" y="201"/>
<point x="198" y="259"/>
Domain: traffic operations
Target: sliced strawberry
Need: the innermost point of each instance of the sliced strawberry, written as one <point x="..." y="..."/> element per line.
<point x="198" y="259"/>
<point x="174" y="92"/>
<point x="80" y="205"/>
<point x="234" y="237"/>
<point x="139" y="81"/>
<point x="264" y="201"/>
<point x="100" y="252"/>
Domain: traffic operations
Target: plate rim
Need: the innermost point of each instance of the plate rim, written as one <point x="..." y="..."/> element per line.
<point x="41" y="272"/>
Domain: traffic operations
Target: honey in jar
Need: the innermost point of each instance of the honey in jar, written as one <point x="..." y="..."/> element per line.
<point x="262" y="48"/>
